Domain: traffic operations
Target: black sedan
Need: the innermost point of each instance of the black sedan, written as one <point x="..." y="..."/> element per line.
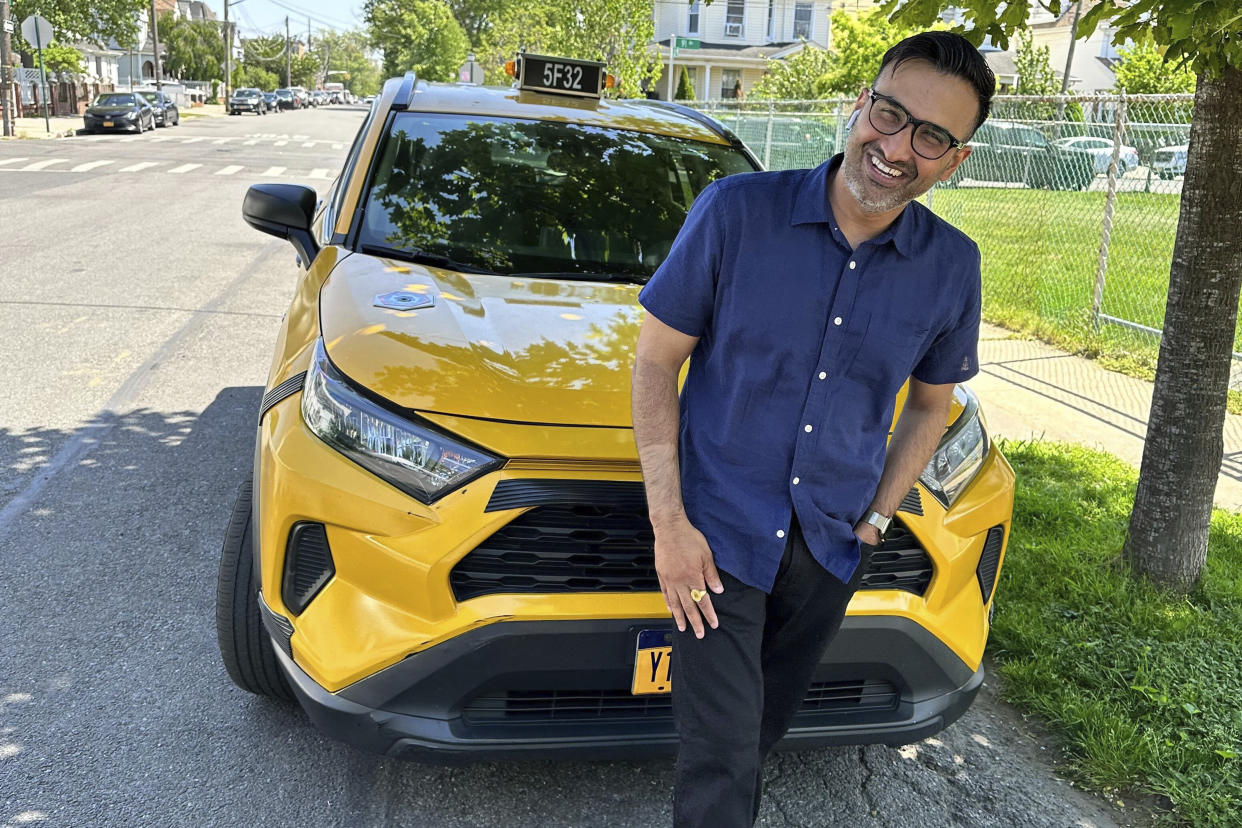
<point x="166" y="111"/>
<point x="287" y="100"/>
<point x="122" y="111"/>
<point x="273" y="102"/>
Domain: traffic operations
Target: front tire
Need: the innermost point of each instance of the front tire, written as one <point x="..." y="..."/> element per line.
<point x="245" y="645"/>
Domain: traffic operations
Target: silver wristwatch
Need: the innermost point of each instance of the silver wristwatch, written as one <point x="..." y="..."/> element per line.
<point x="879" y="521"/>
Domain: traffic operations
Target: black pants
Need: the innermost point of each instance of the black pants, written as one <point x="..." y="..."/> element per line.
<point x="736" y="690"/>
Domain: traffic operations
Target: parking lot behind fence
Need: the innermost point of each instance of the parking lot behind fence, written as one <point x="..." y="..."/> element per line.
<point x="1073" y="201"/>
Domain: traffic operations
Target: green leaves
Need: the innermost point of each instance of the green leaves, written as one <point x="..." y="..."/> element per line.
<point x="195" y="49"/>
<point x="417" y="35"/>
<point x="794" y="78"/>
<point x="73" y="20"/>
<point x="1143" y="70"/>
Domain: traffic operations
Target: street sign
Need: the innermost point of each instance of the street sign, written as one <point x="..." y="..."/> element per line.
<point x="470" y="72"/>
<point x="8" y="26"/>
<point x="37" y="31"/>
<point x="687" y="43"/>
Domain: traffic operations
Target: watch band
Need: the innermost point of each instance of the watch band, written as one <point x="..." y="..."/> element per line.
<point x="879" y="521"/>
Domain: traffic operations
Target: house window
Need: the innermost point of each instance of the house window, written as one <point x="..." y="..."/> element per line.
<point x="735" y="15"/>
<point x="771" y="20"/>
<point x="730" y="80"/>
<point x="692" y="17"/>
<point x="802" y="20"/>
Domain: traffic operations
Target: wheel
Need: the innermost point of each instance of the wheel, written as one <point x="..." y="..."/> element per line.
<point x="140" y="125"/>
<point x="245" y="645"/>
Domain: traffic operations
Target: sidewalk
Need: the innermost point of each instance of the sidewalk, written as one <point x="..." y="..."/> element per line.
<point x="62" y="126"/>
<point x="1032" y="390"/>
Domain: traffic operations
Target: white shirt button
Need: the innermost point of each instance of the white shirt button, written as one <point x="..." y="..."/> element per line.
<point x="780" y="533"/>
<point x="852" y="265"/>
<point x="837" y="321"/>
<point x="823" y="375"/>
<point x="806" y="427"/>
<point x="796" y="479"/>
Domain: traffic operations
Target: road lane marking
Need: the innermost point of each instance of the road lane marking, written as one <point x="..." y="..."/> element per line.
<point x="141" y="165"/>
<point x="229" y="170"/>
<point x="161" y="138"/>
<point x="274" y="170"/>
<point x="280" y="143"/>
<point x="338" y="146"/>
<point x="43" y="165"/>
<point x="250" y="143"/>
<point x="222" y="140"/>
<point x="4" y="161"/>
<point x="309" y="144"/>
<point x="320" y="172"/>
<point x="90" y="165"/>
<point x="193" y="140"/>
<point x="129" y="139"/>
<point x="301" y="137"/>
<point x="185" y="168"/>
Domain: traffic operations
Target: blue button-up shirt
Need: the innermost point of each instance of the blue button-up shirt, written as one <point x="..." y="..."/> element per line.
<point x="803" y="345"/>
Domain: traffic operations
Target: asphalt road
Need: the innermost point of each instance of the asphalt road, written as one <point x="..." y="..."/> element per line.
<point x="139" y="315"/>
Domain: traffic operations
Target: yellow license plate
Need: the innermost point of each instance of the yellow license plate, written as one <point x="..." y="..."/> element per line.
<point x="653" y="663"/>
<point x="108" y="123"/>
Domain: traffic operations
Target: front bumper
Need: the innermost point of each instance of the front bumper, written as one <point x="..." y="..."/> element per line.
<point x="561" y="690"/>
<point x="118" y="124"/>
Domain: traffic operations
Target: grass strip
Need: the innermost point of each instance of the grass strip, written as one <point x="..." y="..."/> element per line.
<point x="1141" y="685"/>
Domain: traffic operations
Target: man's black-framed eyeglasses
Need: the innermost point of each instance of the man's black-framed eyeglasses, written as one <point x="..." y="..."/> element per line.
<point x="927" y="139"/>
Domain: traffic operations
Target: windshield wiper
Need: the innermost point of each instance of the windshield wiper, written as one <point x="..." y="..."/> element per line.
<point x="423" y="257"/>
<point x="626" y="278"/>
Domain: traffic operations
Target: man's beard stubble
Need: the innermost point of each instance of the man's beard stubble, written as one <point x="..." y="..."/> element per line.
<point x="872" y="198"/>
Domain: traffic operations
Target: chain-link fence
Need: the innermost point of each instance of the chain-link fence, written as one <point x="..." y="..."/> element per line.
<point x="1073" y="202"/>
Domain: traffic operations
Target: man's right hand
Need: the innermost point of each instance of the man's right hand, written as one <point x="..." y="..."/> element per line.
<point x="684" y="562"/>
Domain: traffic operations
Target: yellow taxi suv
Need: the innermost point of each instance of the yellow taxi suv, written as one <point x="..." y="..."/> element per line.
<point x="443" y="552"/>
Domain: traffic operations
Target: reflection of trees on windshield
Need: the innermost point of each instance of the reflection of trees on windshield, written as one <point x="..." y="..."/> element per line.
<point x="541" y="196"/>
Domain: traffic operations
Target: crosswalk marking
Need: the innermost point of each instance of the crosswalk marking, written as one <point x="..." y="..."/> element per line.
<point x="229" y="170"/>
<point x="338" y="146"/>
<point x="274" y="170"/>
<point x="222" y="140"/>
<point x="43" y="165"/>
<point x="301" y="137"/>
<point x="141" y="165"/>
<point x="309" y="144"/>
<point x="185" y="168"/>
<point x="161" y="138"/>
<point x="90" y="165"/>
<point x="251" y="142"/>
<point x="320" y="172"/>
<point x="194" y="140"/>
<point x="129" y="139"/>
<point x="4" y="161"/>
<point x="280" y="143"/>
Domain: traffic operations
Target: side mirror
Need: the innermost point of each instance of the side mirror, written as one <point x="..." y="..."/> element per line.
<point x="285" y="211"/>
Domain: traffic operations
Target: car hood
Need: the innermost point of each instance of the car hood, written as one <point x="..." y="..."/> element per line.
<point x="110" y="111"/>
<point x="496" y="347"/>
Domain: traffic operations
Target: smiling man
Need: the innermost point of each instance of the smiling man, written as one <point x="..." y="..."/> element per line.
<point x="804" y="300"/>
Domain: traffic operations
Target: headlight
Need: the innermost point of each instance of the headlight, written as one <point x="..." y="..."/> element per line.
<point x="130" y="114"/>
<point x="419" y="461"/>
<point x="960" y="454"/>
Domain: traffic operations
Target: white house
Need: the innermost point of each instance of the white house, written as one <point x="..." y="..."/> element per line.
<point x="736" y="40"/>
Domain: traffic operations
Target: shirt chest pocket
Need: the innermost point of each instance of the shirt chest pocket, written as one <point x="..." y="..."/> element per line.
<point x="886" y="351"/>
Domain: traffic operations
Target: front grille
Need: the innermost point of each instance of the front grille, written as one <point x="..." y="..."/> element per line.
<point x="609" y="547"/>
<point x="517" y="706"/>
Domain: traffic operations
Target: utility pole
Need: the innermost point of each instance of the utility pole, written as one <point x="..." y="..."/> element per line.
<point x="288" y="75"/>
<point x="228" y="51"/>
<point x="6" y="71"/>
<point x="155" y="37"/>
<point x="1069" y="62"/>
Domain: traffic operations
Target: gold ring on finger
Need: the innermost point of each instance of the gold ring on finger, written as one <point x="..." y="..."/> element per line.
<point x="698" y="594"/>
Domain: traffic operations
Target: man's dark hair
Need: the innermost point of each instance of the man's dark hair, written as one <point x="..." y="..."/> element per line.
<point x="950" y="54"/>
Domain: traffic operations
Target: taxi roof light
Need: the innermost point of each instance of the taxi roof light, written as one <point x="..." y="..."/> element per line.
<point x="511" y="68"/>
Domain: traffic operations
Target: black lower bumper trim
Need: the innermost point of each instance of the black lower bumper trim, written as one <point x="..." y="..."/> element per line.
<point x="414" y="709"/>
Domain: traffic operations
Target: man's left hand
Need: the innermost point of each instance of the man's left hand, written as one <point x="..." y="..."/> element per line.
<point x="867" y="533"/>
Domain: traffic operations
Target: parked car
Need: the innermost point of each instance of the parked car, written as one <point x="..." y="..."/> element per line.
<point x="788" y="140"/>
<point x="287" y="99"/>
<point x="444" y="551"/>
<point x="1008" y="151"/>
<point x="272" y="101"/>
<point x="1101" y="150"/>
<point x="1168" y="162"/>
<point x="166" y="111"/>
<point x="303" y="95"/>
<point x="120" y="111"/>
<point x="247" y="99"/>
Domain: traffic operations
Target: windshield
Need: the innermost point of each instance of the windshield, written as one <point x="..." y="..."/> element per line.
<point x="533" y="197"/>
<point x="246" y="93"/>
<point x="115" y="100"/>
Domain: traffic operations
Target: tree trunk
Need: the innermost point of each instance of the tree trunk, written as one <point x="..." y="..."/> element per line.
<point x="1182" y="456"/>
